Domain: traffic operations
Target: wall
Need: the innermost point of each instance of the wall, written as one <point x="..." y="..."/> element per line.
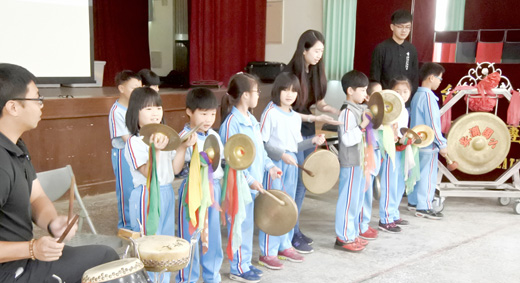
<point x="298" y="16"/>
<point x="161" y="36"/>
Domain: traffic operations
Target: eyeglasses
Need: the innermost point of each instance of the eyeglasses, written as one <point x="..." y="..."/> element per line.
<point x="403" y="27"/>
<point x="440" y="79"/>
<point x="39" y="99"/>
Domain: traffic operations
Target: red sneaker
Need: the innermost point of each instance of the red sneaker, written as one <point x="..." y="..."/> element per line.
<point x="270" y="262"/>
<point x="291" y="255"/>
<point x="348" y="246"/>
<point x="360" y="241"/>
<point x="370" y="234"/>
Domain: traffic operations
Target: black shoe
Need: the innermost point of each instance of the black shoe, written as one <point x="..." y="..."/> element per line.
<point x="412" y="207"/>
<point x="307" y="239"/>
<point x="390" y="227"/>
<point x="401" y="221"/>
<point x="430" y="214"/>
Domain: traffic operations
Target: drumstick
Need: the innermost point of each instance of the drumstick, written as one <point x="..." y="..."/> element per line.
<point x="279" y="201"/>
<point x="71" y="198"/>
<point x="309" y="172"/>
<point x="67" y="230"/>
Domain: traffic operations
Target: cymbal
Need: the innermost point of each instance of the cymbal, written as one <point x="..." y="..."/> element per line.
<point x="325" y="166"/>
<point x="478" y="142"/>
<point x="410" y="134"/>
<point x="376" y="187"/>
<point x="425" y="133"/>
<point x="272" y="217"/>
<point x="239" y="151"/>
<point x="148" y="130"/>
<point x="186" y="136"/>
<point x="212" y="149"/>
<point x="376" y="105"/>
<point x="394" y="105"/>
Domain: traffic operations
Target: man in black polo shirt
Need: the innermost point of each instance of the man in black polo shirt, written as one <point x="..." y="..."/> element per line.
<point x="22" y="200"/>
<point x="396" y="56"/>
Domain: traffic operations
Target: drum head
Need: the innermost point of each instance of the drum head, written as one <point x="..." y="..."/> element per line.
<point x="271" y="217"/>
<point x="161" y="252"/>
<point x="123" y="270"/>
<point x="325" y="166"/>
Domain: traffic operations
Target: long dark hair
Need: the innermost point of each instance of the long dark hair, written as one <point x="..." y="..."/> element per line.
<point x="317" y="72"/>
<point x="238" y="84"/>
<point x="141" y="97"/>
<point x="284" y="81"/>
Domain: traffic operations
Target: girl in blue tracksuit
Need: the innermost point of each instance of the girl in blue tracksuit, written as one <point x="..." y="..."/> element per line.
<point x="243" y="94"/>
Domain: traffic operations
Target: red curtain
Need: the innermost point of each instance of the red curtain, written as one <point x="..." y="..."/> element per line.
<point x="224" y="36"/>
<point x="121" y="36"/>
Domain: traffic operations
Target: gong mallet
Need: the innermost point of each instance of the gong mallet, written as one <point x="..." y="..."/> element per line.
<point x="279" y="201"/>
<point x="452" y="165"/>
<point x="309" y="172"/>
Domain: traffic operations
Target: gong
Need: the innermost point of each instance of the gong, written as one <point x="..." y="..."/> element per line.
<point x="212" y="149"/>
<point x="393" y="106"/>
<point x="271" y="216"/>
<point x="325" y="166"/>
<point x="239" y="151"/>
<point x="150" y="129"/>
<point x="478" y="142"/>
<point x="376" y="106"/>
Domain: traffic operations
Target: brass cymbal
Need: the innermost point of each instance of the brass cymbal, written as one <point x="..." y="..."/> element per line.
<point x="272" y="217"/>
<point x="410" y="134"/>
<point x="212" y="149"/>
<point x="478" y="142"/>
<point x="393" y="105"/>
<point x="174" y="139"/>
<point x="325" y="166"/>
<point x="425" y="133"/>
<point x="376" y="106"/>
<point x="239" y="152"/>
<point x="186" y="136"/>
<point x="376" y="187"/>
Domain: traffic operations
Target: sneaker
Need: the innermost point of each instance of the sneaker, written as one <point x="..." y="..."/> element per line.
<point x="247" y="277"/>
<point x="430" y="214"/>
<point x="401" y="221"/>
<point x="348" y="246"/>
<point x="412" y="207"/>
<point x="370" y="234"/>
<point x="390" y="227"/>
<point x="301" y="246"/>
<point x="307" y="239"/>
<point x="360" y="241"/>
<point x="270" y="262"/>
<point x="256" y="270"/>
<point x="291" y="255"/>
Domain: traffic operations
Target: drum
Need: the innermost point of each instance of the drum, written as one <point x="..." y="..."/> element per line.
<point x="127" y="270"/>
<point x="161" y="252"/>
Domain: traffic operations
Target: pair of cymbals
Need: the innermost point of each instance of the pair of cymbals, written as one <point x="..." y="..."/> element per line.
<point x="426" y="135"/>
<point x="239" y="152"/>
<point x="212" y="149"/>
<point x="376" y="106"/>
<point x="148" y="130"/>
<point x="393" y="105"/>
<point x="410" y="134"/>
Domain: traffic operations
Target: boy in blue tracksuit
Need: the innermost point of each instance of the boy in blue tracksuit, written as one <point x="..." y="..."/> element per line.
<point x="425" y="111"/>
<point x="351" y="180"/>
<point x="201" y="108"/>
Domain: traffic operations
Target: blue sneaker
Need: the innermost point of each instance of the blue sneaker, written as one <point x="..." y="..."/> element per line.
<point x="247" y="277"/>
<point x="301" y="245"/>
<point x="256" y="270"/>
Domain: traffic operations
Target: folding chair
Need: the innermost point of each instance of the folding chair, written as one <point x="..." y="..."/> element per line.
<point x="55" y="184"/>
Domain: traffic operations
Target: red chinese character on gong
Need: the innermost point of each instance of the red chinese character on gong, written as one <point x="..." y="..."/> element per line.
<point x="493" y="143"/>
<point x="464" y="141"/>
<point x="475" y="131"/>
<point x="487" y="133"/>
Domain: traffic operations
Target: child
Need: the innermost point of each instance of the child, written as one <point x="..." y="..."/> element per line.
<point x="365" y="231"/>
<point x="149" y="78"/>
<point x="392" y="175"/>
<point x="280" y="129"/>
<point x="425" y="111"/>
<point x="201" y="108"/>
<point x="126" y="82"/>
<point x="145" y="107"/>
<point x="351" y="179"/>
<point x="243" y="94"/>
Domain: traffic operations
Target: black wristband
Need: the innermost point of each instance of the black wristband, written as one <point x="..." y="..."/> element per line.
<point x="49" y="229"/>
